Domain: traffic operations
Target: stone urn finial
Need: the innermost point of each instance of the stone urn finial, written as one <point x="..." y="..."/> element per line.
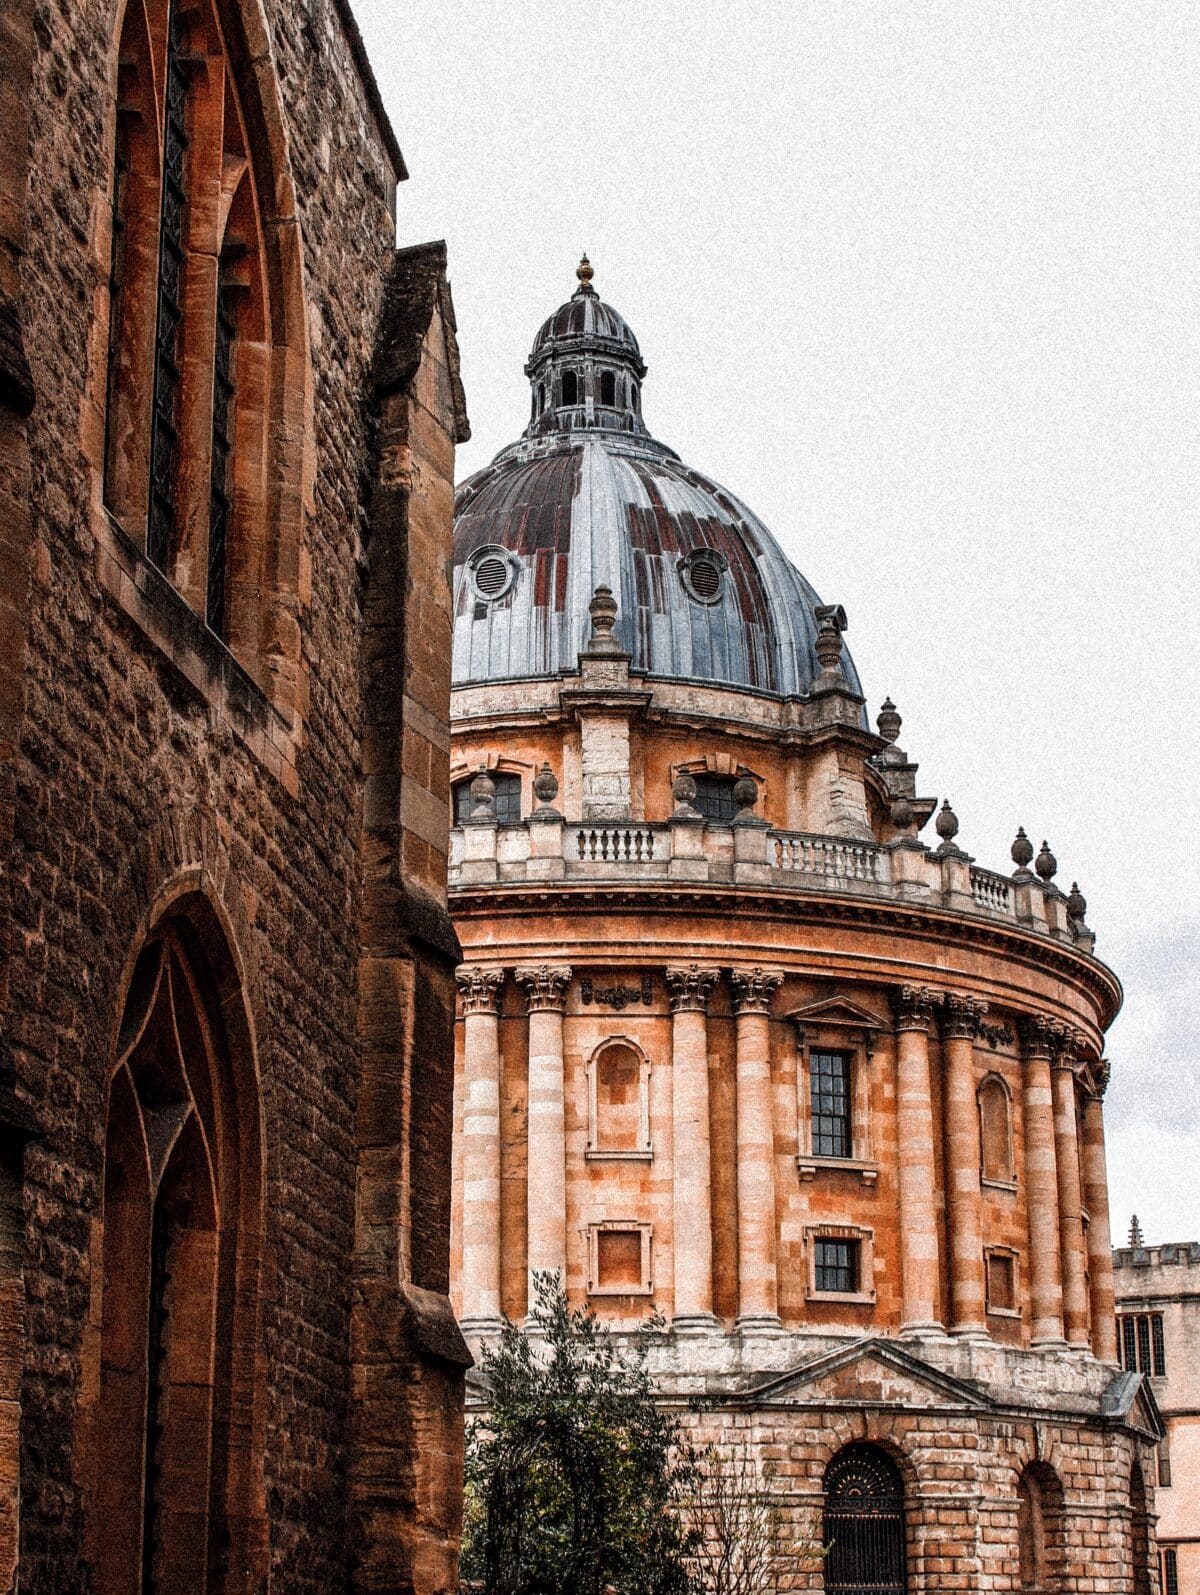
<point x="483" y="798"/>
<point x="1022" y="851"/>
<point x="545" y="790"/>
<point x="1076" y="903"/>
<point x="947" y="826"/>
<point x="889" y="722"/>
<point x="745" y="795"/>
<point x="831" y="622"/>
<point x="603" y="613"/>
<point x="684" y="792"/>
<point x="1046" y="864"/>
<point x="901" y="813"/>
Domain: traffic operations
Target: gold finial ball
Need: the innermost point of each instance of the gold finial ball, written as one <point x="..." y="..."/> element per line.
<point x="584" y="272"/>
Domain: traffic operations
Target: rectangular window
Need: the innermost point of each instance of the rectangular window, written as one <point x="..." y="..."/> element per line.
<point x="1164" y="1465"/>
<point x="830" y="1076"/>
<point x="1143" y="1342"/>
<point x="1001" y="1282"/>
<point x="836" y="1266"/>
<point x="1160" y="1350"/>
<point x="1128" y="1345"/>
<point x="1170" y="1576"/>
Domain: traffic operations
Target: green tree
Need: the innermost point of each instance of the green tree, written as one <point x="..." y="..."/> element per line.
<point x="577" y="1482"/>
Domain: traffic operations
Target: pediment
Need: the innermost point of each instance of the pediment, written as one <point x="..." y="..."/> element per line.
<point x="1130" y="1397"/>
<point x="837" y="1011"/>
<point x="874" y="1371"/>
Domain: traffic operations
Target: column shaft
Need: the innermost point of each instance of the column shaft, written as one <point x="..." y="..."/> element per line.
<point x="1099" y="1240"/>
<point x="758" y="1282"/>
<point x="480" y="1275"/>
<point x="964" y="1205"/>
<point x="1041" y="1192"/>
<point x="1070" y="1214"/>
<point x="919" y="1257"/>
<point x="546" y="1136"/>
<point x="691" y="1152"/>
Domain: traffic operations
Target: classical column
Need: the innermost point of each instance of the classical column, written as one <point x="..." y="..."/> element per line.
<point x="690" y="988"/>
<point x="546" y="1139"/>
<point x="1041" y="1183"/>
<point x="964" y="1204"/>
<point x="1099" y="1240"/>
<point x="758" y="1284"/>
<point x="480" y="990"/>
<point x="1070" y="1194"/>
<point x="919" y="1265"/>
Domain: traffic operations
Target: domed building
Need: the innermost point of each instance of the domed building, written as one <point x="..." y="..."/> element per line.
<point x="737" y="1045"/>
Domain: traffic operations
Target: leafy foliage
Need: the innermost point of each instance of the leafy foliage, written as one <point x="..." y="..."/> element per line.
<point x="577" y="1482"/>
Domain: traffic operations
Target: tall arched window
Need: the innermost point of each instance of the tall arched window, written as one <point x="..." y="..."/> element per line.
<point x="995" y="1130"/>
<point x="182" y="1209"/>
<point x="864" y="1523"/>
<point x="189" y="391"/>
<point x="608" y="388"/>
<point x="570" y="388"/>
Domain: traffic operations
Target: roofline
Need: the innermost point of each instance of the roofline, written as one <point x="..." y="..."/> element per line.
<point x="362" y="62"/>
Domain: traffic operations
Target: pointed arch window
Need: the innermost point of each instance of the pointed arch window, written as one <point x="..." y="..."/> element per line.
<point x="189" y="389"/>
<point x="181" y="1209"/>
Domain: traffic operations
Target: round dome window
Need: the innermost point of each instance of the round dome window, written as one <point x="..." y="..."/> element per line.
<point x="702" y="574"/>
<point x="492" y="574"/>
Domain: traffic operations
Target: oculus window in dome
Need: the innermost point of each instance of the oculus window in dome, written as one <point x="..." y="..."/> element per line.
<point x="586" y="497"/>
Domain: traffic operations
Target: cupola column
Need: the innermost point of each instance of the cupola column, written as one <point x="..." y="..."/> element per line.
<point x="1099" y="1238"/>
<point x="690" y="988"/>
<point x="964" y="1202"/>
<point x="480" y="990"/>
<point x="1041" y="1184"/>
<point x="758" y="1282"/>
<point x="920" y="1268"/>
<point x="546" y="997"/>
<point x="1070" y="1213"/>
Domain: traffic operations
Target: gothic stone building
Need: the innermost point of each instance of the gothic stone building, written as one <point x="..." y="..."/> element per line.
<point x="736" y="1044"/>
<point x="228" y="414"/>
<point x="1158" y="1334"/>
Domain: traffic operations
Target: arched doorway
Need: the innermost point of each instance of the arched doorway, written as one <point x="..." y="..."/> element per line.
<point x="864" y="1523"/>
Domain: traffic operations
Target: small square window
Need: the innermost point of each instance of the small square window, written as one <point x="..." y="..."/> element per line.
<point x="619" y="1259"/>
<point x="836" y="1266"/>
<point x="1001" y="1282"/>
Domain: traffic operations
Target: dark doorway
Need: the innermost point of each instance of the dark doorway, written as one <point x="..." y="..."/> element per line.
<point x="864" y="1523"/>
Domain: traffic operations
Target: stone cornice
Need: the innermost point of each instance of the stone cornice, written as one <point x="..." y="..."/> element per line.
<point x="479" y="988"/>
<point x="690" y="987"/>
<point x="754" y="988"/>
<point x="545" y="986"/>
<point x="917" y="922"/>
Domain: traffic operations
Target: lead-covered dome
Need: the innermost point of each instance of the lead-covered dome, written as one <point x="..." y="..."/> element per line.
<point x="587" y="498"/>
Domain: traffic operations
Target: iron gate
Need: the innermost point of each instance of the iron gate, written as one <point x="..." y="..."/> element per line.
<point x="864" y="1523"/>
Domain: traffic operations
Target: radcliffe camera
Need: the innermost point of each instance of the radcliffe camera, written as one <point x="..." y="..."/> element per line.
<point x="595" y="614"/>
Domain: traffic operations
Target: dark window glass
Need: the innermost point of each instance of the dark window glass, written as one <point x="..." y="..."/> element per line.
<point x="1170" y="1573"/>
<point x="714" y="797"/>
<point x="829" y="1073"/>
<point x="1128" y="1345"/>
<point x="837" y="1265"/>
<point x="1164" y="1466"/>
<point x="1143" y="1343"/>
<point x="222" y="451"/>
<point x="570" y="388"/>
<point x="1160" y="1350"/>
<point x="608" y="388"/>
<point x="508" y="798"/>
<point x="633" y="394"/>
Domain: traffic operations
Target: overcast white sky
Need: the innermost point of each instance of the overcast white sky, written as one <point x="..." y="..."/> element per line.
<point x="919" y="282"/>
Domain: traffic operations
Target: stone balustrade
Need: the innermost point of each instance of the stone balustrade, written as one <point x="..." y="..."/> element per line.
<point x="756" y="856"/>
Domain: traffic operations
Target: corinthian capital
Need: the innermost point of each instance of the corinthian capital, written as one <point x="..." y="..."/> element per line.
<point x="915" y="1005"/>
<point x="961" y="1016"/>
<point x="690" y="987"/>
<point x="754" y="988"/>
<point x="545" y="985"/>
<point x="1040" y="1035"/>
<point x="480" y="988"/>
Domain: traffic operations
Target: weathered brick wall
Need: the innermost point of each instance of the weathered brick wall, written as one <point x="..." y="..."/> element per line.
<point x="126" y="775"/>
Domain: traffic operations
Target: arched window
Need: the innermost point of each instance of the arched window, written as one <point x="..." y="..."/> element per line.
<point x="633" y="394"/>
<point x="570" y="388"/>
<point x="541" y="398"/>
<point x="508" y="798"/>
<point x="864" y="1523"/>
<point x="608" y="388"/>
<point x="618" y="1101"/>
<point x="189" y="389"/>
<point x="1040" y="1528"/>
<point x="182" y="1205"/>
<point x="995" y="1131"/>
